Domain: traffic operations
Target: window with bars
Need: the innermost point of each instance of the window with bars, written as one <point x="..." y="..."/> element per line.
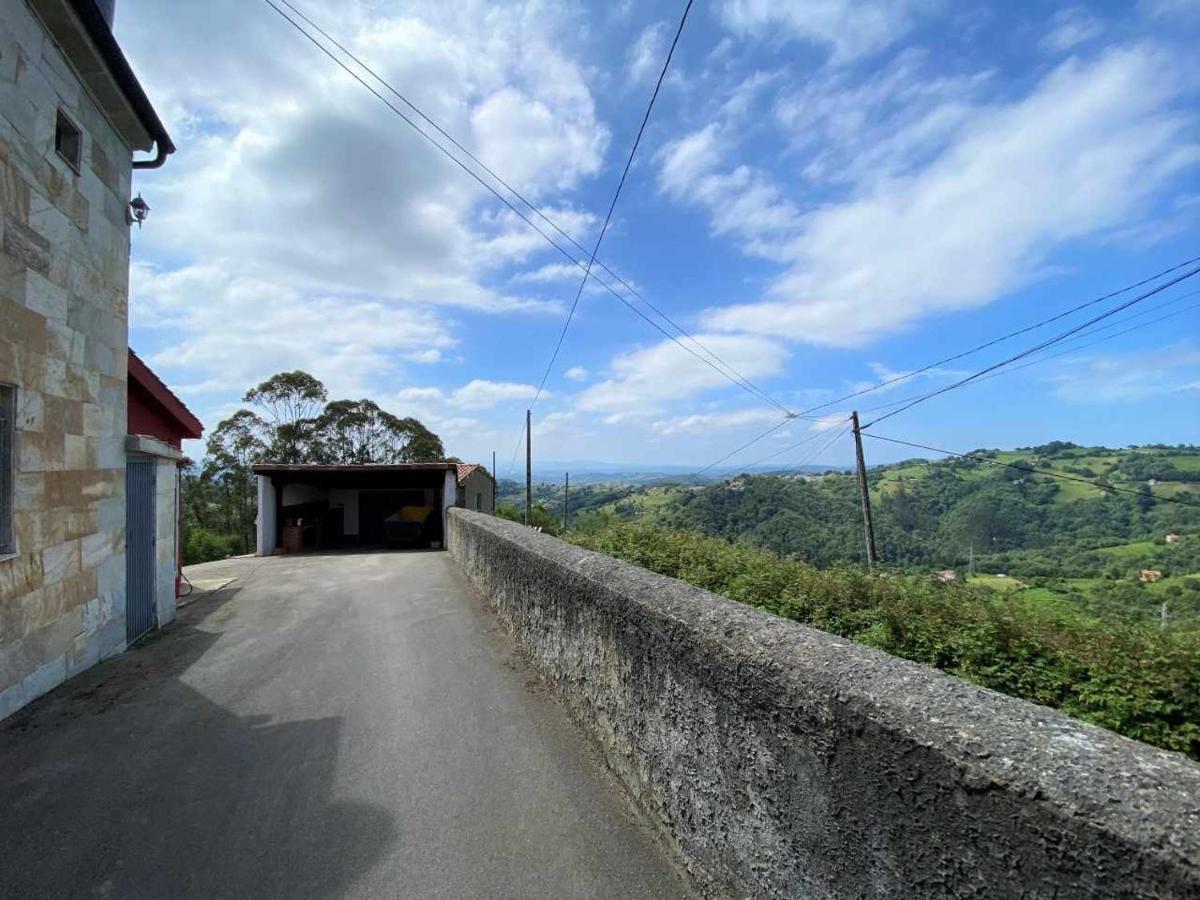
<point x="8" y="416"/>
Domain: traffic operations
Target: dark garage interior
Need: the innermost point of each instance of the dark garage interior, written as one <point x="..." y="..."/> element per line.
<point x="319" y="507"/>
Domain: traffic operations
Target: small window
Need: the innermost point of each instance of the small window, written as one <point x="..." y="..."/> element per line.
<point x="8" y="415"/>
<point x="479" y="502"/>
<point x="68" y="141"/>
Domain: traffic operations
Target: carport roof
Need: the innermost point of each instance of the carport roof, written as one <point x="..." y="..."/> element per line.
<point x="285" y="468"/>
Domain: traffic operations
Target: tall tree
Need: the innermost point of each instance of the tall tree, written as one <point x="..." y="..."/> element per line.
<point x="235" y="445"/>
<point x="358" y="431"/>
<point x="291" y="402"/>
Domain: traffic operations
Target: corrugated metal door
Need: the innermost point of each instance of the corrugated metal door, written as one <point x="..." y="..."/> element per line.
<point x="139" y="548"/>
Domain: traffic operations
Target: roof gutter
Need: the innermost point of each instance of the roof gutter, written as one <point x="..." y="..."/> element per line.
<point x="110" y="51"/>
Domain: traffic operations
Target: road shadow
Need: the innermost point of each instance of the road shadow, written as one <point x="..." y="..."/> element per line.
<point x="128" y="783"/>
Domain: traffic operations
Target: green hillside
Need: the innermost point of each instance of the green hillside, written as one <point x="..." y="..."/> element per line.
<point x="1059" y="541"/>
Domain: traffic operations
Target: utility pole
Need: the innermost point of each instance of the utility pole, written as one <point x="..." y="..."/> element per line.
<point x="566" y="494"/>
<point x="494" y="477"/>
<point x="971" y="561"/>
<point x="528" y="468"/>
<point x="868" y="524"/>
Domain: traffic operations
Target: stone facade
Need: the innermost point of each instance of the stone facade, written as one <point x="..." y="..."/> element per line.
<point x="64" y="269"/>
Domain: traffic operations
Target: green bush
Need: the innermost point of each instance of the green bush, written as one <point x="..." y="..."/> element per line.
<point x="1136" y="679"/>
<point x="202" y="545"/>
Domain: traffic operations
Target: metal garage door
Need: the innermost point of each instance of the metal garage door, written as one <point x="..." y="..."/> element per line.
<point x="139" y="548"/>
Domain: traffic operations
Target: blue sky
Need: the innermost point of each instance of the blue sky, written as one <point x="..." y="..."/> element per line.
<point x="829" y="194"/>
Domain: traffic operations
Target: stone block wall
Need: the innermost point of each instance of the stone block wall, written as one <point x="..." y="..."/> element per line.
<point x="64" y="268"/>
<point x="781" y="761"/>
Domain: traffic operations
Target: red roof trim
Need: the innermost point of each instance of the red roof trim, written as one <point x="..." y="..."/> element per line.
<point x="141" y="375"/>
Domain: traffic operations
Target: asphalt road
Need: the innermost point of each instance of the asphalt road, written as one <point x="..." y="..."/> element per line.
<point x="324" y="726"/>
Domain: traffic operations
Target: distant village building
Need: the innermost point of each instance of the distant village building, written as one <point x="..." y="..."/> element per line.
<point x="71" y="116"/>
<point x="946" y="575"/>
<point x="1173" y="538"/>
<point x="1150" y="575"/>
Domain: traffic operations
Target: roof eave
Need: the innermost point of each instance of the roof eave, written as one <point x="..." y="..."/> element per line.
<point x="85" y="39"/>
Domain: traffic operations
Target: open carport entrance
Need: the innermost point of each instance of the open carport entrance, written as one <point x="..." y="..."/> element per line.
<point x="307" y="507"/>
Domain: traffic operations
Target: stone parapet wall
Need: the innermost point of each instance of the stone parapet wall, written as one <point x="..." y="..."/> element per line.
<point x="781" y="761"/>
<point x="64" y="269"/>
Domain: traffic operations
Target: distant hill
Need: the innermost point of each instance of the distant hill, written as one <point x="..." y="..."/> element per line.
<point x="1069" y="537"/>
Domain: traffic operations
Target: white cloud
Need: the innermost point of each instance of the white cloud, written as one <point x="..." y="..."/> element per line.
<point x="477" y="394"/>
<point x="482" y="394"/>
<point x="1069" y="28"/>
<point x="1085" y="152"/>
<point x="295" y="187"/>
<point x="645" y="55"/>
<point x="643" y="381"/>
<point x="848" y="131"/>
<point x="576" y="373"/>
<point x="1124" y="378"/>
<point x="850" y="28"/>
<point x="704" y="423"/>
<point x="551" y="273"/>
<point x="344" y="342"/>
<point x="742" y="202"/>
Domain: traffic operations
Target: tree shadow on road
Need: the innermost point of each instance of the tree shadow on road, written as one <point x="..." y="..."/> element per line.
<point x="128" y="783"/>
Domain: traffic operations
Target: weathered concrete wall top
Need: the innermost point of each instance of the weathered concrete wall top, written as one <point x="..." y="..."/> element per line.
<point x="785" y="762"/>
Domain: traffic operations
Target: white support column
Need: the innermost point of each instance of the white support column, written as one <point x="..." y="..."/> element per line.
<point x="266" y="516"/>
<point x="449" y="495"/>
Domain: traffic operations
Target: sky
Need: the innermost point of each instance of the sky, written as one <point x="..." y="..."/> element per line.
<point x="828" y="194"/>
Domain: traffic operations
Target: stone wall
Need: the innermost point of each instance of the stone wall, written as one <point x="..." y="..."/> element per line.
<point x="64" y="262"/>
<point x="785" y="762"/>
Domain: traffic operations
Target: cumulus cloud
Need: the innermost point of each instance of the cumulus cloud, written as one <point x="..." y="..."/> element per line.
<point x="287" y="330"/>
<point x="295" y="186"/>
<point x="1084" y="152"/>
<point x="576" y="373"/>
<point x="642" y="382"/>
<point x="477" y="394"/>
<point x="704" y="423"/>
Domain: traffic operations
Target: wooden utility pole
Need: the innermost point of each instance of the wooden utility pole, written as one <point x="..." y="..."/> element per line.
<point x="494" y="477"/>
<point x="868" y="524"/>
<point x="528" y="468"/>
<point x="566" y="494"/>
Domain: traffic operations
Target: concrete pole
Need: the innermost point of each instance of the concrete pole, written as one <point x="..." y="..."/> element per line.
<point x="868" y="524"/>
<point x="566" y="494"/>
<point x="528" y="468"/>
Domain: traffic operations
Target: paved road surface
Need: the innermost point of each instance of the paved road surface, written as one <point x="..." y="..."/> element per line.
<point x="326" y="726"/>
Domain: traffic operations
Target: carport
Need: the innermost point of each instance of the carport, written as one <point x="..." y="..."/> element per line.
<point x="330" y="506"/>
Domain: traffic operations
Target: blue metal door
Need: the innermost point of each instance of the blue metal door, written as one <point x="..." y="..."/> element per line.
<point x="139" y="548"/>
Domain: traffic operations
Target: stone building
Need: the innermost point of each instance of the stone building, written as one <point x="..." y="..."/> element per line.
<point x="72" y="114"/>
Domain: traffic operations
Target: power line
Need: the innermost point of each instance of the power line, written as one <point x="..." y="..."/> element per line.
<point x="750" y="443"/>
<point x="738" y="376"/>
<point x="1030" y="471"/>
<point x="1047" y="343"/>
<point x="727" y="372"/>
<point x="1076" y="348"/>
<point x="812" y="437"/>
<point x="1001" y="339"/>
<point x="613" y="205"/>
<point x="1075" y="344"/>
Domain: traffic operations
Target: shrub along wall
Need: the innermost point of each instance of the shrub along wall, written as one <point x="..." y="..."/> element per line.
<point x="783" y="761"/>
